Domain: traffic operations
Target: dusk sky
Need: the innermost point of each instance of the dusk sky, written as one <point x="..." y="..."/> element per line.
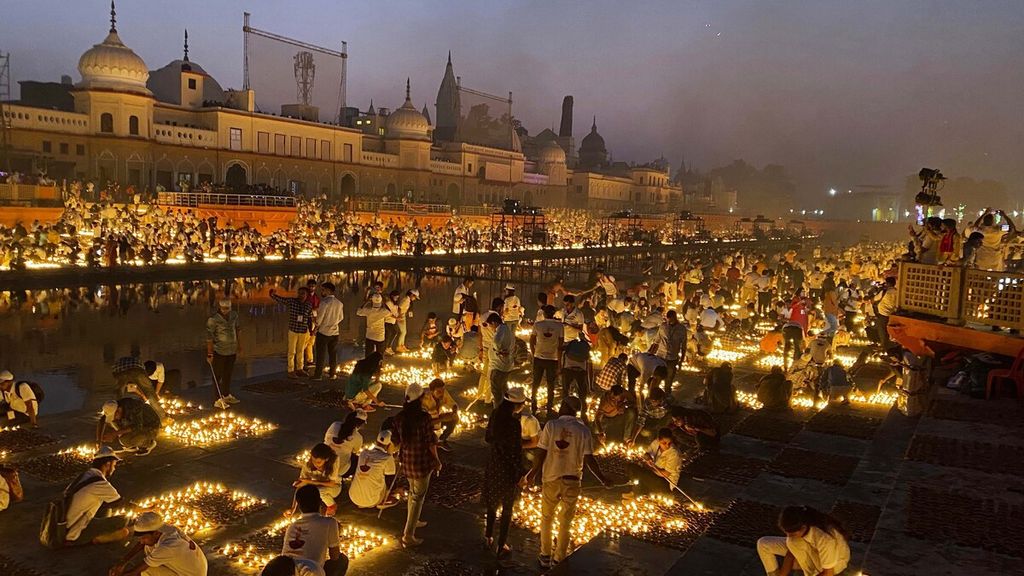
<point x="840" y="92"/>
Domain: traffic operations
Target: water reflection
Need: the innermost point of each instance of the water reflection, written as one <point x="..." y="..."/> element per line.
<point x="67" y="339"/>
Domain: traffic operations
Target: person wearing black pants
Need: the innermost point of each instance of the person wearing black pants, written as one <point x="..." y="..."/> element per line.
<point x="504" y="467"/>
<point x="547" y="370"/>
<point x="325" y="348"/>
<point x="792" y="335"/>
<point x="223" y="367"/>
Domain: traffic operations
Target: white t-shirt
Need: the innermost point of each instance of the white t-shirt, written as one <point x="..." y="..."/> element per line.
<point x="176" y="552"/>
<point x="549" y="333"/>
<point x="311" y="536"/>
<point x="669" y="460"/>
<point x="608" y="283"/>
<point x="376" y="318"/>
<point x="344" y="449"/>
<point x="567" y="441"/>
<point x="502" y="351"/>
<point x="368" y="484"/>
<point x="709" y="318"/>
<point x="158" y="373"/>
<point x="19" y="396"/>
<point x="87" y="501"/>
<point x="575" y="318"/>
<point x="329" y="316"/>
<point x="530" y="426"/>
<point x="512" y="310"/>
<point x="457" y="298"/>
<point x="646" y="363"/>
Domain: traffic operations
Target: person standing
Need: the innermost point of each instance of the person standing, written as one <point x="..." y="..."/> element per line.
<point x="404" y="313"/>
<point x="167" y="551"/>
<point x="815" y="543"/>
<point x="546" y="342"/>
<point x="465" y="289"/>
<point x="830" y="304"/>
<point x="413" y="431"/>
<point x="512" y="309"/>
<point x="329" y="318"/>
<point x="670" y="345"/>
<point x="504" y="472"/>
<point x="502" y="357"/>
<point x="300" y="321"/>
<point x="309" y="351"/>
<point x="376" y="315"/>
<point x="313" y="536"/>
<point x="571" y="317"/>
<point x="577" y="371"/>
<point x="565" y="445"/>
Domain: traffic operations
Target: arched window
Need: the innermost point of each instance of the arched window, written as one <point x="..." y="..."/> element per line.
<point x="133" y="125"/>
<point x="106" y="122"/>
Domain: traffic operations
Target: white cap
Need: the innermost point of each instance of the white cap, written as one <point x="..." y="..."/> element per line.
<point x="108" y="410"/>
<point x="6" y="375"/>
<point x="413" y="391"/>
<point x="106" y="452"/>
<point x="384" y="438"/>
<point x="452" y="321"/>
<point x="617" y="306"/>
<point x="515" y="395"/>
<point x="510" y="287"/>
<point x="361" y="415"/>
<point x="224" y="303"/>
<point x="414" y="292"/>
<point x="148" y="522"/>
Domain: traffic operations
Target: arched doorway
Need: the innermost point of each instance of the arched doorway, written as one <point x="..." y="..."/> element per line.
<point x="236" y="178"/>
<point x="390" y="192"/>
<point x="348" y="187"/>
<point x="453" y="195"/>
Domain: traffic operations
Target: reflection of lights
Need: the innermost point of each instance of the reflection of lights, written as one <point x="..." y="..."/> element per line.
<point x="216" y="428"/>
<point x="355" y="542"/>
<point x="201" y="506"/>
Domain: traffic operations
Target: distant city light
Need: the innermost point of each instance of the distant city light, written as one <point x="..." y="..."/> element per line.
<point x="832" y="192"/>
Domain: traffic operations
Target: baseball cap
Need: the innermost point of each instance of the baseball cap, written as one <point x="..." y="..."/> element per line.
<point x="384" y="437"/>
<point x="413" y="391"/>
<point x="6" y="375"/>
<point x="224" y="303"/>
<point x="361" y="415"/>
<point x="510" y="287"/>
<point x="148" y="522"/>
<point x="414" y="293"/>
<point x="106" y="452"/>
<point x="108" y="410"/>
<point x="515" y="395"/>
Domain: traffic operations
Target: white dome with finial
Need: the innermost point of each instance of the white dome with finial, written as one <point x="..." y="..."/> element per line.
<point x="407" y="123"/>
<point x="551" y="152"/>
<point x="110" y="65"/>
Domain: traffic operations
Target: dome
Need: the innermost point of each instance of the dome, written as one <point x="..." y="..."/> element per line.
<point x="593" y="141"/>
<point x="110" y="65"/>
<point x="165" y="83"/>
<point x="407" y="123"/>
<point x="551" y="153"/>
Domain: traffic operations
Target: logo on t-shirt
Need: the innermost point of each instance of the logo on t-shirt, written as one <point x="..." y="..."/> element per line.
<point x="364" y="468"/>
<point x="563" y="441"/>
<point x="296" y="542"/>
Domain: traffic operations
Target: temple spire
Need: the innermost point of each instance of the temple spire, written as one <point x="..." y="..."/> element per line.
<point x="449" y="57"/>
<point x="113" y="18"/>
<point x="593" y="128"/>
<point x="186" y="45"/>
<point x="408" y="91"/>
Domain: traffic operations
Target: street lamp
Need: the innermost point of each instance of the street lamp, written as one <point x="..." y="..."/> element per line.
<point x="832" y="192"/>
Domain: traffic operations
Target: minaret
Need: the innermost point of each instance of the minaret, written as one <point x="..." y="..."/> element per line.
<point x="184" y="61"/>
<point x="426" y="113"/>
<point x="113" y="18"/>
<point x="448" y="105"/>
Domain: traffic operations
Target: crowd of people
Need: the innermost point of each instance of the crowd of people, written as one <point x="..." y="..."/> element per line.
<point x="121" y="227"/>
<point x="991" y="242"/>
<point x="605" y="363"/>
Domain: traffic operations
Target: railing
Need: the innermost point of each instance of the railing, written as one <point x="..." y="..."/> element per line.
<point x="962" y="295"/>
<point x="400" y="207"/>
<point x="194" y="199"/>
<point x="28" y="192"/>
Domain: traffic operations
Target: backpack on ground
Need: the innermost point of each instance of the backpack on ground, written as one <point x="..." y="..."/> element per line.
<point x="53" y="531"/>
<point x="34" y="386"/>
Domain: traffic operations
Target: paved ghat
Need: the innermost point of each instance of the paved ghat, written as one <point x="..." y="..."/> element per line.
<point x="940" y="494"/>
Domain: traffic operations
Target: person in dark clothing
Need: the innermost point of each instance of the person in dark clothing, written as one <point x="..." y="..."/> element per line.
<point x="504" y="469"/>
<point x="774" y="390"/>
<point x="719" y="393"/>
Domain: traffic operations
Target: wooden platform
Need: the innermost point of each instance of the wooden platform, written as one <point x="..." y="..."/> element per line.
<point x="980" y="338"/>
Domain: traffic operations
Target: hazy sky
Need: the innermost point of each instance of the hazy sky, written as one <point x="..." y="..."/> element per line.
<point x="842" y="92"/>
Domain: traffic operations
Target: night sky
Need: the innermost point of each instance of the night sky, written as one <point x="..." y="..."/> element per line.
<point x="842" y="92"/>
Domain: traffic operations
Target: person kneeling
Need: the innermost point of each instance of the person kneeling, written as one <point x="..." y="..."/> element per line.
<point x="815" y="543"/>
<point x="322" y="470"/>
<point x="168" y="551"/>
<point x="659" y="469"/>
<point x="288" y="566"/>
<point x="375" y="471"/>
<point x="313" y="536"/>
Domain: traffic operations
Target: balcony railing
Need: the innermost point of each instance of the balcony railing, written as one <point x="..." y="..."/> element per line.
<point x="963" y="295"/>
<point x="194" y="199"/>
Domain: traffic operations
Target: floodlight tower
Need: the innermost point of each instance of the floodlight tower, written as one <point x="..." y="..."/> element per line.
<point x="305" y="73"/>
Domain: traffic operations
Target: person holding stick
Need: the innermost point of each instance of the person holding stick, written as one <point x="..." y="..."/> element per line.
<point x="565" y="445"/>
<point x="222" y="349"/>
<point x="374" y="475"/>
<point x="658" y="471"/>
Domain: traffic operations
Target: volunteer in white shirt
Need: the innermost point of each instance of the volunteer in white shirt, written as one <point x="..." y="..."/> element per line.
<point x="325" y="345"/>
<point x="157" y="375"/>
<point x="314" y="536"/>
<point x="17" y="400"/>
<point x="376" y="315"/>
<point x="502" y="357"/>
<point x="645" y="367"/>
<point x="710" y="319"/>
<point x="512" y="309"/>
<point x="607" y="282"/>
<point x="374" y="469"/>
<point x="344" y="438"/>
<point x="404" y="312"/>
<point x="572" y="318"/>
<point x="815" y="543"/>
<point x="464" y="289"/>
<point x="565" y="445"/>
<point x="89" y="492"/>
<point x="659" y="470"/>
<point x="546" y="341"/>
<point x="168" y="551"/>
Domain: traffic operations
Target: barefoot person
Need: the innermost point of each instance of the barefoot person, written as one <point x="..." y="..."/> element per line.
<point x="413" y="431"/>
<point x="815" y="543"/>
<point x="504" y="472"/>
<point x="166" y="550"/>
